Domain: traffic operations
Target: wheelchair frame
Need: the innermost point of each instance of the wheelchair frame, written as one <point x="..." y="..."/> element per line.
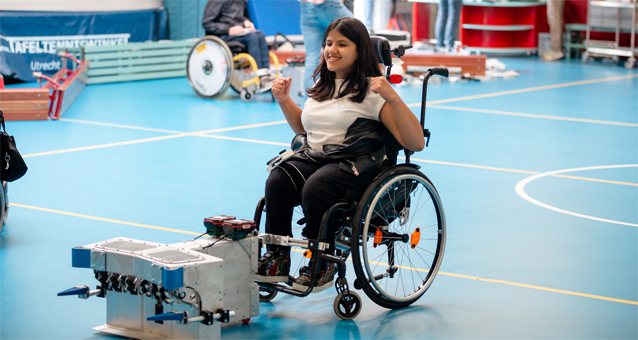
<point x="356" y="220"/>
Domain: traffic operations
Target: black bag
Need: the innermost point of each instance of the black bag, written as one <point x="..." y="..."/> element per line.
<point x="286" y="46"/>
<point x="13" y="166"/>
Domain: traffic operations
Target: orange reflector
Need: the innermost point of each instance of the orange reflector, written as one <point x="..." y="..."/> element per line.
<point x="307" y="254"/>
<point x="378" y="237"/>
<point x="396" y="78"/>
<point x="414" y="239"/>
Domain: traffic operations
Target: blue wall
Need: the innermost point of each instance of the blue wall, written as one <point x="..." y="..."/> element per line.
<point x="275" y="16"/>
<point x="270" y="16"/>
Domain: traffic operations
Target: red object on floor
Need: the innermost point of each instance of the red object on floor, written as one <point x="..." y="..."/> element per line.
<point x="60" y="83"/>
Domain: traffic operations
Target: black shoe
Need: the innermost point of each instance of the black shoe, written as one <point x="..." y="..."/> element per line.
<point x="274" y="266"/>
<point x="324" y="280"/>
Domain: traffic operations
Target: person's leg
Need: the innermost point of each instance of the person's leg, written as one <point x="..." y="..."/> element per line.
<point x="263" y="47"/>
<point x="441" y="23"/>
<point x="313" y="39"/>
<point x="322" y="190"/>
<point x="283" y="188"/>
<point x="283" y="192"/>
<point x="368" y="11"/>
<point x="454" y="18"/>
<point x="330" y="10"/>
<point x="555" y="18"/>
<point x="314" y="21"/>
<point x="254" y="46"/>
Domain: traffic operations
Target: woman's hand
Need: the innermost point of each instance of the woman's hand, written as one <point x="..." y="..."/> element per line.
<point x="381" y="86"/>
<point x="281" y="89"/>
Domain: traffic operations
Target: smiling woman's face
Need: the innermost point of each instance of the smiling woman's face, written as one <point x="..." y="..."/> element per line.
<point x="340" y="54"/>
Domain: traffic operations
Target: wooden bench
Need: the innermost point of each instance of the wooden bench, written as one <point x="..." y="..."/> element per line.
<point x="136" y="61"/>
<point x="473" y="64"/>
<point x="24" y="103"/>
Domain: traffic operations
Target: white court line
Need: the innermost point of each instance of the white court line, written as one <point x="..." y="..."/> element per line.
<point x="520" y="190"/>
<point x="529" y="89"/>
<point x="171" y="131"/>
<point x="178" y="135"/>
<point x="243" y="139"/>
<point x="117" y="125"/>
<point x="581" y="120"/>
<point x="93" y="147"/>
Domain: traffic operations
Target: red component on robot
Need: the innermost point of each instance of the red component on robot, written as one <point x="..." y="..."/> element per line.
<point x="214" y="224"/>
<point x="240" y="224"/>
<point x="396" y="78"/>
<point x="238" y="229"/>
<point x="218" y="220"/>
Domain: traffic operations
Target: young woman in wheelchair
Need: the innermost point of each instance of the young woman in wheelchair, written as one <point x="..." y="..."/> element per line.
<point x="343" y="130"/>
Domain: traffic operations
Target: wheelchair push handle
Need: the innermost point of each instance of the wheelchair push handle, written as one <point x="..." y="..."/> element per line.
<point x="439" y="71"/>
<point x="399" y="51"/>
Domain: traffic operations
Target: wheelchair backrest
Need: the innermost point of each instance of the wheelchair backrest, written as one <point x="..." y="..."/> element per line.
<point x="381" y="47"/>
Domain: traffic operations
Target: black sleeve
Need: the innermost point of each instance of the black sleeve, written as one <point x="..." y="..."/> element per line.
<point x="212" y="13"/>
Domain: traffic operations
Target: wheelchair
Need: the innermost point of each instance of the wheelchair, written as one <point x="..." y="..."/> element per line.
<point x="213" y="65"/>
<point x="394" y="232"/>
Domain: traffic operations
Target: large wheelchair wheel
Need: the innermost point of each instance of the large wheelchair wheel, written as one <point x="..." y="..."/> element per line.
<point x="210" y="67"/>
<point x="398" y="238"/>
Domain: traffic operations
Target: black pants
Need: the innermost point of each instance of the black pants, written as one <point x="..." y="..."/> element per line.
<point x="256" y="44"/>
<point x="317" y="188"/>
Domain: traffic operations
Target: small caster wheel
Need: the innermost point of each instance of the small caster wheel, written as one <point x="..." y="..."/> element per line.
<point x="629" y="64"/>
<point x="347" y="305"/>
<point x="266" y="294"/>
<point x="245" y="320"/>
<point x="246" y="96"/>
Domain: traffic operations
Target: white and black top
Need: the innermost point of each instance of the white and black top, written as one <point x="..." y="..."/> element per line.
<point x="326" y="122"/>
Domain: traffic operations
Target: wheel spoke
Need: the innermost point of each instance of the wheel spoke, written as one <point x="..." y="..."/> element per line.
<point x="413" y="268"/>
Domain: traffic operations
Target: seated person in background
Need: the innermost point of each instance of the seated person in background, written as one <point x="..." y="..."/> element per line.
<point x="228" y="19"/>
<point x="344" y="121"/>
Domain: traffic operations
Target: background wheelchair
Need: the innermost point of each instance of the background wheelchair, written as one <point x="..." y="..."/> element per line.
<point x="395" y="231"/>
<point x="213" y="65"/>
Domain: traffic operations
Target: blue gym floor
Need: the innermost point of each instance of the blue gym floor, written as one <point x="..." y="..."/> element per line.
<point x="533" y="251"/>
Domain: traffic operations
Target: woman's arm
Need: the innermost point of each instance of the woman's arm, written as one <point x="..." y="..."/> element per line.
<point x="397" y="117"/>
<point x="292" y="112"/>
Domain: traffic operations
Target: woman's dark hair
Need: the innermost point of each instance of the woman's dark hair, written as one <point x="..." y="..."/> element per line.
<point x="365" y="66"/>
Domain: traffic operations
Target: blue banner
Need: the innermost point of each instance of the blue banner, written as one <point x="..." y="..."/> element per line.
<point x="29" y="40"/>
